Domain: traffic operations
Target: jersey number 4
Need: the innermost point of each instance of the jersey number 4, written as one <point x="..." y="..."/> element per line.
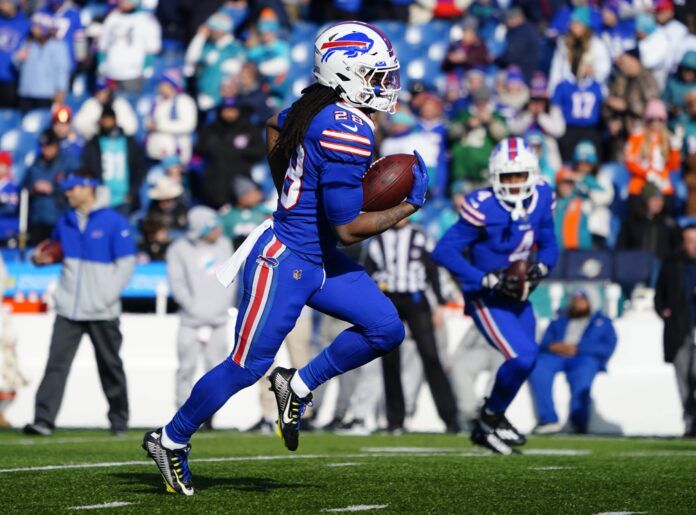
<point x="521" y="253"/>
<point x="292" y="187"/>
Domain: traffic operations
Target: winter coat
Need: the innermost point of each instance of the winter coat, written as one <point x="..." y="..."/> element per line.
<point x="670" y="294"/>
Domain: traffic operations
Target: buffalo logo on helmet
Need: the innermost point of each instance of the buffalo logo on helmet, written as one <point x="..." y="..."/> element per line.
<point x="352" y="45"/>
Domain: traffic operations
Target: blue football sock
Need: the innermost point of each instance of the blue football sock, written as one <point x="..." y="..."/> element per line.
<point x="210" y="393"/>
<point x="349" y="350"/>
<point x="510" y="377"/>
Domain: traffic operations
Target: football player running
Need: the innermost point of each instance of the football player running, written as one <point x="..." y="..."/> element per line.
<point x="319" y="150"/>
<point x="498" y="226"/>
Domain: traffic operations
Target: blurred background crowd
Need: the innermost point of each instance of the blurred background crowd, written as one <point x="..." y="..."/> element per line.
<point x="166" y="102"/>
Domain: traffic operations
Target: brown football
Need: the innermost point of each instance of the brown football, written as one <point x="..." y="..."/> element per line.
<point x="388" y="182"/>
<point x="520" y="269"/>
<point x="49" y="251"/>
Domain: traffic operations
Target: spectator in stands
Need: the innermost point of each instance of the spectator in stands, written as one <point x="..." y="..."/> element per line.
<point x="211" y="56"/>
<point x="129" y="40"/>
<point x="579" y="342"/>
<point x="580" y="99"/>
<point x="71" y="144"/>
<point x="203" y="305"/>
<point x="571" y="213"/>
<point x="466" y="52"/>
<point x="117" y="160"/>
<point x="14" y="28"/>
<point x="231" y="145"/>
<point x="539" y="114"/>
<point x="597" y="189"/>
<point x="688" y="121"/>
<point x="649" y="226"/>
<point x="546" y="149"/>
<point x="679" y="84"/>
<point x="675" y="303"/>
<point x="270" y="53"/>
<point x="676" y="33"/>
<point x="165" y="219"/>
<point x="42" y="179"/>
<point x="397" y="10"/>
<point x="248" y="211"/>
<point x="253" y="99"/>
<point x="172" y="167"/>
<point x="474" y="133"/>
<point x="99" y="261"/>
<point x="652" y="153"/>
<point x="512" y="93"/>
<point x="86" y="120"/>
<point x="432" y="136"/>
<point x="68" y="24"/>
<point x="522" y="43"/>
<point x="630" y="89"/>
<point x="653" y="47"/>
<point x="333" y="10"/>
<point x="618" y="30"/>
<point x="9" y="199"/>
<point x="579" y="45"/>
<point x="172" y="119"/>
<point x="461" y="95"/>
<point x="562" y="17"/>
<point x="44" y="66"/>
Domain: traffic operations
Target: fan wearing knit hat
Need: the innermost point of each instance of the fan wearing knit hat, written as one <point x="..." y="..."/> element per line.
<point x="164" y="220"/>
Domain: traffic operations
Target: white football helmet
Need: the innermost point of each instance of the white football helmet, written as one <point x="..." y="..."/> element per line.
<point x="358" y="61"/>
<point x="513" y="155"/>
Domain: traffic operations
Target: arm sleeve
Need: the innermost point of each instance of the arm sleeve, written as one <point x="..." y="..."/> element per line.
<point x="448" y="254"/>
<point x="603" y="346"/>
<point x="546" y="239"/>
<point x="342" y="192"/>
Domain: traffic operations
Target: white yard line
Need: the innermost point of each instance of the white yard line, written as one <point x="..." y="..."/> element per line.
<point x="358" y="507"/>
<point x="115" y="504"/>
<point x="346" y="464"/>
<point x="551" y="468"/>
<point x="655" y="454"/>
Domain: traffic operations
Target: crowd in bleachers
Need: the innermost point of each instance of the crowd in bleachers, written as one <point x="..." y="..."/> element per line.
<point x="166" y="102"/>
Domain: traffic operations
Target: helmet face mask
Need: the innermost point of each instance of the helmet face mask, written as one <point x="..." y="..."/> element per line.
<point x="513" y="157"/>
<point x="358" y="61"/>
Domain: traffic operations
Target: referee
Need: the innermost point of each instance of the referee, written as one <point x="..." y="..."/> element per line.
<point x="399" y="261"/>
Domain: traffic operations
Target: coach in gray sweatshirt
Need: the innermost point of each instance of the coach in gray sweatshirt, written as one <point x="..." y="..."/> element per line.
<point x="203" y="301"/>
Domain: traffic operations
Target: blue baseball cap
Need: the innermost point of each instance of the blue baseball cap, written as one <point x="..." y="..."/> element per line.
<point x="73" y="180"/>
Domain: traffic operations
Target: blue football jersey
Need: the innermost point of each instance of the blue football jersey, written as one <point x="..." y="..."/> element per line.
<point x="494" y="240"/>
<point x="323" y="183"/>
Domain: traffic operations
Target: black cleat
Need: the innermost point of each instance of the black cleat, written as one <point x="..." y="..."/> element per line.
<point x="504" y="429"/>
<point x="290" y="406"/>
<point x="484" y="435"/>
<point x="172" y="464"/>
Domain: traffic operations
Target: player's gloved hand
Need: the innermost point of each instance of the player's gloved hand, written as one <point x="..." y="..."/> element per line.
<point x="502" y="283"/>
<point x="420" y="183"/>
<point x="538" y="272"/>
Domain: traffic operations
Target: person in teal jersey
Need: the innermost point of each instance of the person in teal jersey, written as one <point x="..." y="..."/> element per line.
<point x="248" y="212"/>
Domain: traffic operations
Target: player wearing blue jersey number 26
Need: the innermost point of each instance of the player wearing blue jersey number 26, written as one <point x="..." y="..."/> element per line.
<point x="509" y="221"/>
<point x="319" y="150"/>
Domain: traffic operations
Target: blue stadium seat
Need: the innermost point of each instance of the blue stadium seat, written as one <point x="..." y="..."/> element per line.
<point x="9" y="119"/>
<point x="303" y="32"/>
<point x="394" y="30"/>
<point x="36" y="121"/>
<point x="588" y="265"/>
<point x="633" y="267"/>
<point x="10" y="140"/>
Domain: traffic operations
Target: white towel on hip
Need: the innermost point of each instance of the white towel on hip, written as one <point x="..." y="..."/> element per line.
<point x="227" y="272"/>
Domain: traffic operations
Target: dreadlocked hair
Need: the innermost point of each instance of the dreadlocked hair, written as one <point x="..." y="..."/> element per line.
<point x="314" y="98"/>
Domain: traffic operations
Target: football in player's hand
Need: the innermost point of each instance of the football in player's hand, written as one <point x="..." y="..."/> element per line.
<point x="48" y="252"/>
<point x="388" y="182"/>
<point x="519" y="270"/>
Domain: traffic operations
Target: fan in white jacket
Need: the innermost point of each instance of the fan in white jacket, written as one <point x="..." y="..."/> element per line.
<point x="128" y="36"/>
<point x="560" y="64"/>
<point x="172" y="120"/>
<point x="86" y="121"/>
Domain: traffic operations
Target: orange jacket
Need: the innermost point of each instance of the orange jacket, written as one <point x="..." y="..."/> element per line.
<point x="658" y="168"/>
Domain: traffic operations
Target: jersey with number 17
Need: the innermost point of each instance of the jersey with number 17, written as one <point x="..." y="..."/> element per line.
<point x="494" y="240"/>
<point x="323" y="182"/>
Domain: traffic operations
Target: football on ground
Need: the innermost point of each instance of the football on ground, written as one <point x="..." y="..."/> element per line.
<point x="388" y="182"/>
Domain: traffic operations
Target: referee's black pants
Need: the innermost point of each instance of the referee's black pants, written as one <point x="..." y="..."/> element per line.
<point x="106" y="339"/>
<point x="414" y="310"/>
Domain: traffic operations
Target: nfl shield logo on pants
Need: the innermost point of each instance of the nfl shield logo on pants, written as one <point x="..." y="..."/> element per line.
<point x="297" y="274"/>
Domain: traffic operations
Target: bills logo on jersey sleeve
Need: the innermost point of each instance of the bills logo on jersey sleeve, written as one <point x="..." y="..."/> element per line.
<point x="351" y="45"/>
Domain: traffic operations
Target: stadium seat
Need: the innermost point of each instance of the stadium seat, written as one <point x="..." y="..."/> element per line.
<point x="588" y="265"/>
<point x="633" y="267"/>
<point x="10" y="140"/>
<point x="36" y="120"/>
<point x="9" y="119"/>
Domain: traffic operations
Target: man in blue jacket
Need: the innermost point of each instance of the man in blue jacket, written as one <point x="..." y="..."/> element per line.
<point x="98" y="262"/>
<point x="578" y="343"/>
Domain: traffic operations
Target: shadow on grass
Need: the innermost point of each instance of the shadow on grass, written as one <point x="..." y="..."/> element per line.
<point x="152" y="483"/>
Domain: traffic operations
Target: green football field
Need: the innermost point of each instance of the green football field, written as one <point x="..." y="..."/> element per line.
<point x="415" y="473"/>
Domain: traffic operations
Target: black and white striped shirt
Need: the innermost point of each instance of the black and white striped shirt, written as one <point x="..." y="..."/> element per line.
<point x="399" y="261"/>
